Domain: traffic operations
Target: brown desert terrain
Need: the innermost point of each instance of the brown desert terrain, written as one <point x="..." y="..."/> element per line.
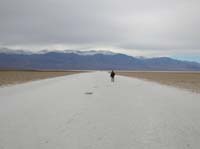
<point x="8" y="77"/>
<point x="185" y="80"/>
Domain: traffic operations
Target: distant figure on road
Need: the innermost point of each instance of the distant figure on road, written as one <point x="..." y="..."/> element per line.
<point x="112" y="75"/>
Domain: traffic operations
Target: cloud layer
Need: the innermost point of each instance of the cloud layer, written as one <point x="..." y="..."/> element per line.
<point x="140" y="26"/>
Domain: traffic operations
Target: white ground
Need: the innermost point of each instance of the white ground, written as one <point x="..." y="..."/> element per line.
<point x="61" y="113"/>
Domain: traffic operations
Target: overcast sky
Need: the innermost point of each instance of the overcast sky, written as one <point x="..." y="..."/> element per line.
<point x="144" y="27"/>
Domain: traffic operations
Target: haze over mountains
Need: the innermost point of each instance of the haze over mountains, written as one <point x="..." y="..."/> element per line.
<point x="89" y="60"/>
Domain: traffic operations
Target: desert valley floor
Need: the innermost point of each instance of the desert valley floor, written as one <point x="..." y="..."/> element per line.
<point x="87" y="111"/>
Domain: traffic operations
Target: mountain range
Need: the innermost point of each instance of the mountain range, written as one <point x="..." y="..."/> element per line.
<point x="88" y="60"/>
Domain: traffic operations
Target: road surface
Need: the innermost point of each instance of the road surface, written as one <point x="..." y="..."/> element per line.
<point x="87" y="111"/>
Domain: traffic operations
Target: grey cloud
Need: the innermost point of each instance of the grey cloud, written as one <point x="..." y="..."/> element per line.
<point x="128" y="24"/>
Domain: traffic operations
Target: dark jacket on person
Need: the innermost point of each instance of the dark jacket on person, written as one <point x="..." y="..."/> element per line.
<point x="112" y="74"/>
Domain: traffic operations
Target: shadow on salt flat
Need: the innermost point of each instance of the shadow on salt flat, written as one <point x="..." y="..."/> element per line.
<point x="88" y="93"/>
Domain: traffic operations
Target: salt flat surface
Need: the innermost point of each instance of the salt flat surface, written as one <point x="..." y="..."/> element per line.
<point x="87" y="111"/>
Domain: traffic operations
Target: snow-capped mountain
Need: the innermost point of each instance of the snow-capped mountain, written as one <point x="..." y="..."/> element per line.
<point x="27" y="52"/>
<point x="90" y="60"/>
<point x="10" y="51"/>
<point x="92" y="52"/>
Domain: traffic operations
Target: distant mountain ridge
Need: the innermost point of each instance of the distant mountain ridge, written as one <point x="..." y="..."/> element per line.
<point x="88" y="60"/>
<point x="26" y="52"/>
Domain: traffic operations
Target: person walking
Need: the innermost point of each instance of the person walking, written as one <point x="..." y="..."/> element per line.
<point x="112" y="75"/>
